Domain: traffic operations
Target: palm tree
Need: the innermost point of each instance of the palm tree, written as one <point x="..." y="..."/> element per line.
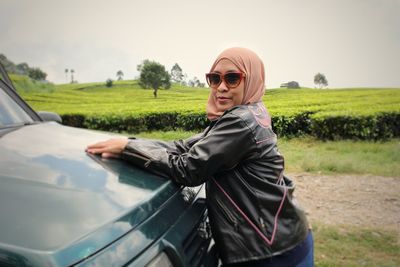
<point x="66" y="75"/>
<point x="120" y="75"/>
<point x="72" y="75"/>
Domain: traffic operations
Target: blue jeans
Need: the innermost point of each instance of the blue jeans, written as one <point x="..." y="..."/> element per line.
<point x="300" y="256"/>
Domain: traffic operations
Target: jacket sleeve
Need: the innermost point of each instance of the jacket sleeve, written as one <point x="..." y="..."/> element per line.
<point x="222" y="148"/>
<point x="176" y="146"/>
<point x="183" y="146"/>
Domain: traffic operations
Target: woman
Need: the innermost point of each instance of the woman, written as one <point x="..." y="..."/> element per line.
<point x="253" y="217"/>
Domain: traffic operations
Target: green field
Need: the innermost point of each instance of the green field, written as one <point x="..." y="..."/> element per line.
<point x="126" y="97"/>
<point x="330" y="114"/>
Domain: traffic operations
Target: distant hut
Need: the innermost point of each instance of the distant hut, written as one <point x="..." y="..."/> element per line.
<point x="291" y="85"/>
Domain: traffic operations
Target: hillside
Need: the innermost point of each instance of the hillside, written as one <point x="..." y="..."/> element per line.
<point x="24" y="84"/>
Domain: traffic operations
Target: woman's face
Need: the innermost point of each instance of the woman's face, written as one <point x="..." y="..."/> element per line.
<point x="226" y="97"/>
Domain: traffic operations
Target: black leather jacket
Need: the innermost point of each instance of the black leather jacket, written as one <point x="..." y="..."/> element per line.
<point x="239" y="151"/>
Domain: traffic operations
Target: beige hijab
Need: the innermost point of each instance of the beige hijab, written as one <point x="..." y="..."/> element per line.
<point x="250" y="64"/>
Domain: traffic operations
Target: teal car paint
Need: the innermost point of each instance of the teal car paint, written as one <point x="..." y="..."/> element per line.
<point x="61" y="206"/>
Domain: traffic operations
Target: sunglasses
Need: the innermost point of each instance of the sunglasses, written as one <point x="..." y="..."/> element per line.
<point x="231" y="79"/>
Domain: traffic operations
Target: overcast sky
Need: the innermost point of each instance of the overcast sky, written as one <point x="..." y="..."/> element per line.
<point x="355" y="43"/>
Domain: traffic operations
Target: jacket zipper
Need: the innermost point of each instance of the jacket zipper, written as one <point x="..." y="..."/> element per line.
<point x="227" y="213"/>
<point x="262" y="224"/>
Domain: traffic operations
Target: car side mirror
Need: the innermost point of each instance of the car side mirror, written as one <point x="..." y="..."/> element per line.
<point x="50" y="116"/>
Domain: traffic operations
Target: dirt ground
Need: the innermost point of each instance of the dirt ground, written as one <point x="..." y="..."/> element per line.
<point x="357" y="200"/>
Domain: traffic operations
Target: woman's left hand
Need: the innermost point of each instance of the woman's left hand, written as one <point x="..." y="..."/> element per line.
<point x="111" y="148"/>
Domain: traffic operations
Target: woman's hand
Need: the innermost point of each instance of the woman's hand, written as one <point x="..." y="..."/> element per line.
<point x="111" y="148"/>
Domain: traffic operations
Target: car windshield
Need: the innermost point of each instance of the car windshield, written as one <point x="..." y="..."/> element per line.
<point x="12" y="114"/>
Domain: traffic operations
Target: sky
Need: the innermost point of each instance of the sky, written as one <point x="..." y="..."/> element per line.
<point x="354" y="43"/>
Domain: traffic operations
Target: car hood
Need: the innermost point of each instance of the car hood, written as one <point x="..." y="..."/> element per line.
<point x="56" y="198"/>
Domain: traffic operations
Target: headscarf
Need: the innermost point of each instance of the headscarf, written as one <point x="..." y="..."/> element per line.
<point x="251" y="65"/>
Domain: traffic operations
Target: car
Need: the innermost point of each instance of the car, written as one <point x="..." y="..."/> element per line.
<point x="61" y="206"/>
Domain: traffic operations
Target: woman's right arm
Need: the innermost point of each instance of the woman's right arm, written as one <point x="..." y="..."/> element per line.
<point x="224" y="146"/>
<point x="113" y="148"/>
<point x="179" y="146"/>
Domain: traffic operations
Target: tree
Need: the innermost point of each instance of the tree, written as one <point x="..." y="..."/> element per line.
<point x="184" y="80"/>
<point x="8" y="64"/>
<point x="72" y="75"/>
<point x="37" y="74"/>
<point x="195" y="82"/>
<point x="120" y="75"/>
<point x="66" y="75"/>
<point x="23" y="68"/>
<point x="320" y="80"/>
<point x="153" y="75"/>
<point x="176" y="73"/>
<point x="140" y="66"/>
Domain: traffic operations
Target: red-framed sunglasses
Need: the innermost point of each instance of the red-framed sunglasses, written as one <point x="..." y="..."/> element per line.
<point x="231" y="79"/>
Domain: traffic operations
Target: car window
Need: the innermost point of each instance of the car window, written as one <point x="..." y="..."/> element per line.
<point x="4" y="78"/>
<point x="11" y="113"/>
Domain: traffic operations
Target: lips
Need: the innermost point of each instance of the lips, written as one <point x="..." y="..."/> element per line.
<point x="222" y="99"/>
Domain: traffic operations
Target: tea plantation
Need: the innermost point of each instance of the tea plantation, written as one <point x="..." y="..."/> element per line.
<point x="354" y="113"/>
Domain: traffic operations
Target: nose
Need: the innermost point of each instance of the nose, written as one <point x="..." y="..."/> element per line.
<point x="222" y="87"/>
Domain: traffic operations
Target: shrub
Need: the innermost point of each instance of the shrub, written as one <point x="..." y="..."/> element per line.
<point x="109" y="83"/>
<point x="297" y="125"/>
<point x="380" y="127"/>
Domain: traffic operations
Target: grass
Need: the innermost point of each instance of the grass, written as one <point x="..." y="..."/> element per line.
<point x="355" y="246"/>
<point x="333" y="157"/>
<point x="125" y="97"/>
<point x="354" y="157"/>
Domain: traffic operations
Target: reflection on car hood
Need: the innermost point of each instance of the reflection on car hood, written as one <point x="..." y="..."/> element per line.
<point x="54" y="195"/>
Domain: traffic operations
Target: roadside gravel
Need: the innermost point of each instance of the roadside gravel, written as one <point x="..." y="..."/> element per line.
<point x="358" y="200"/>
